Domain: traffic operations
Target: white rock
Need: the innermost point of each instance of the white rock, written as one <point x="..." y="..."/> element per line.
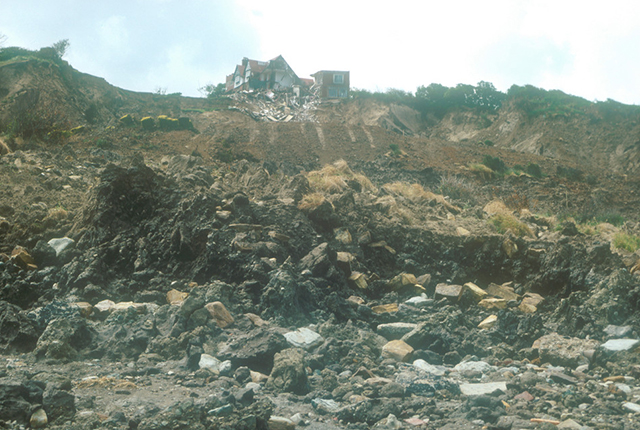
<point x="484" y="388"/>
<point x="429" y="368"/>
<point x="209" y="362"/>
<point x="633" y="407"/>
<point x="303" y="338"/>
<point x="473" y="367"/>
<point x="60" y="244"/>
<point x="620" y="344"/>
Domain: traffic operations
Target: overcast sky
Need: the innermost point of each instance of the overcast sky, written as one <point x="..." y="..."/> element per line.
<point x="585" y="48"/>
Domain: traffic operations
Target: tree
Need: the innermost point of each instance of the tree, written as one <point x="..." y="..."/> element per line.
<point x="212" y="91"/>
<point x="61" y="47"/>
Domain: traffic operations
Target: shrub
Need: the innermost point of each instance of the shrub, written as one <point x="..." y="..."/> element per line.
<point x="147" y="123"/>
<point x="481" y="170"/>
<point x="40" y="121"/>
<point x="494" y="163"/>
<point x="311" y="201"/>
<point x="457" y="188"/>
<point x="626" y="241"/>
<point x="570" y="173"/>
<point x="395" y="149"/>
<point x="505" y="222"/>
<point x="534" y="170"/>
<point x="336" y="177"/>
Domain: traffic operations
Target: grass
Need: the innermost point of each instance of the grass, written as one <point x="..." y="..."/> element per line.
<point x="412" y="192"/>
<point x="626" y="241"/>
<point x="336" y="177"/>
<point x="311" y="201"/>
<point x="505" y="222"/>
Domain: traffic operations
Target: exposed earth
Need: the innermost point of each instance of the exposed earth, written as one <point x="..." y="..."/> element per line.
<point x="242" y="264"/>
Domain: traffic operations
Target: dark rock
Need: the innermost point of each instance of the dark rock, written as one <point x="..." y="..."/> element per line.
<point x="17" y="332"/>
<point x="58" y="404"/>
<point x="14" y="404"/>
<point x="254" y="350"/>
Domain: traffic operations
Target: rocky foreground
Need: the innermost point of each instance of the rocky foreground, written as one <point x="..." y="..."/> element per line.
<point x="185" y="296"/>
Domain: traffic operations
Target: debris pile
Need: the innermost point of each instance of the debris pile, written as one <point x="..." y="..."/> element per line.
<point x="281" y="106"/>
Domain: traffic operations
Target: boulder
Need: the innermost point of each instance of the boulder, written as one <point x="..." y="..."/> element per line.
<point x="304" y="338"/>
<point x="563" y="351"/>
<point x="394" y="331"/>
<point x="397" y="350"/>
<point x="448" y="291"/>
<point x="220" y="314"/>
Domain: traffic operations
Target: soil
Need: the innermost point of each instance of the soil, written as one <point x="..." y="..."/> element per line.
<point x="217" y="213"/>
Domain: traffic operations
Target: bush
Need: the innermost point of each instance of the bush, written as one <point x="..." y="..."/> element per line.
<point x="494" y="163"/>
<point x="40" y="121"/>
<point x="457" y="188"/>
<point x="534" y="170"/>
<point x="626" y="241"/>
<point x="570" y="173"/>
<point x="505" y="222"/>
<point x="395" y="149"/>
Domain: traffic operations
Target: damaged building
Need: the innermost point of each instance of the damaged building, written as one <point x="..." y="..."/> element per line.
<point x="331" y="84"/>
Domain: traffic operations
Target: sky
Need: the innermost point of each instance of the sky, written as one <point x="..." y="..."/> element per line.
<point x="584" y="48"/>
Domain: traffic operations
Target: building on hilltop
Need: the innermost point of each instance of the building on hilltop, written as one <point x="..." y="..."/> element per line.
<point x="331" y="84"/>
<point x="275" y="74"/>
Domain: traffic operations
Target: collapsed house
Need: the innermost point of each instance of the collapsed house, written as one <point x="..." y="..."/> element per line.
<point x="277" y="75"/>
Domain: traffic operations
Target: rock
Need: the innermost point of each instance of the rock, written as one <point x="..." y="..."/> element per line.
<point x="449" y="291"/>
<point x="570" y="424"/>
<point x="488" y="322"/>
<point x="530" y="303"/>
<point x="256" y="320"/>
<point x="403" y="280"/>
<point x="502" y="291"/>
<point x="39" y="419"/>
<point x="391" y="422"/>
<point x="420" y="301"/>
<point x="382" y="309"/>
<point x="23" y="259"/>
<point x="475" y="292"/>
<point x="280" y="423"/>
<point x="14" y="403"/>
<point x="58" y="404"/>
<point x="343" y="236"/>
<point x="462" y="231"/>
<point x="60" y="244"/>
<point x="525" y="395"/>
<point x="343" y="262"/>
<point x="319" y="261"/>
<point x="288" y="372"/>
<point x="482" y="388"/>
<point x="429" y="368"/>
<point x="359" y="280"/>
<point x="633" y="407"/>
<point x="397" y="350"/>
<point x="473" y="369"/>
<point x="220" y="314"/>
<point x="209" y="362"/>
<point x="394" y="331"/>
<point x="356" y="300"/>
<point x="257" y="377"/>
<point x="17" y="332"/>
<point x="85" y="308"/>
<point x="104" y="306"/>
<point x="325" y="406"/>
<point x="304" y="338"/>
<point x="616" y="332"/>
<point x="560" y="351"/>
<point x="616" y="345"/>
<point x="175" y="297"/>
<point x="493" y="303"/>
<point x="510" y="248"/>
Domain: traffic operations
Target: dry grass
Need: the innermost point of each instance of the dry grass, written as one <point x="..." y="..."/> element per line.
<point x="416" y="194"/>
<point x="482" y="171"/>
<point x="505" y="222"/>
<point x="335" y="178"/>
<point x="311" y="201"/>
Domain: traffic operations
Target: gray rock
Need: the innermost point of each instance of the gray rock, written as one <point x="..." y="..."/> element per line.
<point x="482" y="388"/>
<point x="58" y="404"/>
<point x="325" y="406"/>
<point x="615" y="345"/>
<point x="633" y="407"/>
<point x="304" y="338"/>
<point x="472" y="369"/>
<point x="394" y="331"/>
<point x="209" y="362"/>
<point x="617" y="332"/>
<point x="60" y="244"/>
<point x="563" y="351"/>
<point x="429" y="368"/>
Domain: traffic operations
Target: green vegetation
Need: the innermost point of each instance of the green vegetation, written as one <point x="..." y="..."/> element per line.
<point x="505" y="222"/>
<point x="495" y="163"/>
<point x="626" y="241"/>
<point x="395" y="149"/>
<point x="534" y="170"/>
<point x="212" y="91"/>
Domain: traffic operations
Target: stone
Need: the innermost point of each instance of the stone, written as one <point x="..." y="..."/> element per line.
<point x="420" y="301"/>
<point x="382" y="309"/>
<point x="58" y="404"/>
<point x="319" y="261"/>
<point x="85" y="308"/>
<point x="356" y="300"/>
<point x="488" y="322"/>
<point x="461" y="231"/>
<point x="104" y="306"/>
<point x="569" y="424"/>
<point x="393" y="331"/>
<point x="289" y="372"/>
<point x="471" y="369"/>
<point x="60" y="244"/>
<point x="616" y="332"/>
<point x="38" y="419"/>
<point x="633" y="407"/>
<point x="343" y="236"/>
<point x="525" y="395"/>
<point x="220" y="314"/>
<point x="502" y="291"/>
<point x="530" y="303"/>
<point x="304" y="338"/>
<point x="209" y="362"/>
<point x="616" y="345"/>
<point x="175" y="297"/>
<point x="343" y="262"/>
<point x="325" y="406"/>
<point x="23" y="259"/>
<point x="280" y="423"/>
<point x="482" y="388"/>
<point x="397" y="350"/>
<point x="402" y="280"/>
<point x="509" y="247"/>
<point x="257" y="377"/>
<point x="474" y="291"/>
<point x="449" y="291"/>
<point x="359" y="280"/>
<point x="493" y="303"/>
<point x="256" y="320"/>
<point x="561" y="351"/>
<point x="429" y="368"/>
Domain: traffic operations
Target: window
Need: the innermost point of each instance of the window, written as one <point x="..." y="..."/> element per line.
<point x="343" y="93"/>
<point x="333" y="93"/>
<point x="338" y="79"/>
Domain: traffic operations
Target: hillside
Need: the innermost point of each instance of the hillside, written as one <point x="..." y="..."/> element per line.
<point x="381" y="262"/>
